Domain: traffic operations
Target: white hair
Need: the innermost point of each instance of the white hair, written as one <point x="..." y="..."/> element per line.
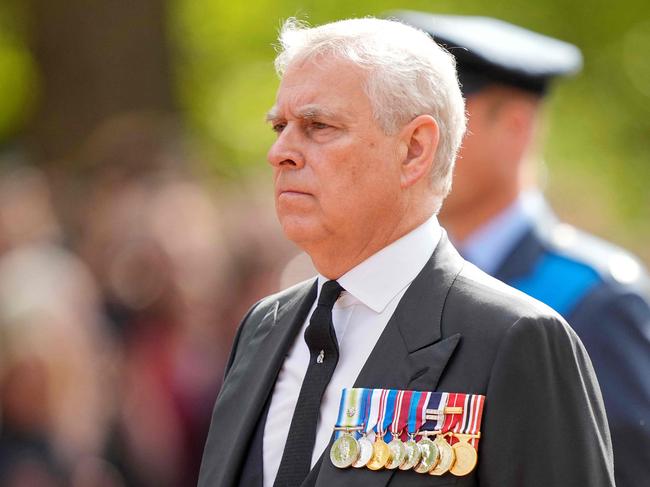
<point x="409" y="75"/>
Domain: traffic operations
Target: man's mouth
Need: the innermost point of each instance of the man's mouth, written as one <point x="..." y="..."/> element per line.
<point x="291" y="192"/>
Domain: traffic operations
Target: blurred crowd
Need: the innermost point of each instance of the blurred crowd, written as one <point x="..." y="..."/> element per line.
<point x="122" y="281"/>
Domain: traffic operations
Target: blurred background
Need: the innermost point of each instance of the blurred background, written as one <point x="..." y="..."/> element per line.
<point x="136" y="216"/>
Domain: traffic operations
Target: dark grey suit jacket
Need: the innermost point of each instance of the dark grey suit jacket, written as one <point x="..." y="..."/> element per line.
<point x="611" y="317"/>
<point x="455" y="330"/>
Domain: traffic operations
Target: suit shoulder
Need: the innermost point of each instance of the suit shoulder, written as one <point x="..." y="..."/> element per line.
<point x="491" y="297"/>
<point x="488" y="313"/>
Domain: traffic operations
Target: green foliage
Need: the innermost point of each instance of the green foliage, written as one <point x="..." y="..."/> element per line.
<point x="17" y="73"/>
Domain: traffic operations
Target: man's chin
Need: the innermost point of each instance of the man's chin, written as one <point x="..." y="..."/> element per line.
<point x="301" y="231"/>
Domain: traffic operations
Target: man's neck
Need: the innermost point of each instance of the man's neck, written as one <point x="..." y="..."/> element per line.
<point x="335" y="260"/>
<point x="464" y="222"/>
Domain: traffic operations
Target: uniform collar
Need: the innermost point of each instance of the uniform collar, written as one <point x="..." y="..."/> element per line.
<point x="489" y="245"/>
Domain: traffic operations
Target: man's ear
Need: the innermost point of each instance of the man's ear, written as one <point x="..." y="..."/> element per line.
<point x="421" y="137"/>
<point x="518" y="119"/>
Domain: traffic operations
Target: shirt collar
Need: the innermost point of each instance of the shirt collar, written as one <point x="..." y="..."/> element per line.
<point x="489" y="245"/>
<point x="379" y="278"/>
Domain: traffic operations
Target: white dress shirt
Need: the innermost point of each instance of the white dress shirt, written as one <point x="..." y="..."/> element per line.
<point x="373" y="290"/>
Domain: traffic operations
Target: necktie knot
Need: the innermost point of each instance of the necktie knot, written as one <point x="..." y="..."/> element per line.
<point x="320" y="334"/>
<point x="329" y="293"/>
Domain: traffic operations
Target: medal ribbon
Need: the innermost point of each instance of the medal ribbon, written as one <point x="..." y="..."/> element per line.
<point x="381" y="412"/>
<point x="366" y="402"/>
<point x="364" y="411"/>
<point x="401" y="412"/>
<point x="453" y="422"/>
<point x="374" y="403"/>
<point x="386" y="414"/>
<point x="442" y="404"/>
<point x="416" y="413"/>
<point x="477" y="415"/>
<point x="351" y="409"/>
<point x="472" y="414"/>
<point x="436" y="401"/>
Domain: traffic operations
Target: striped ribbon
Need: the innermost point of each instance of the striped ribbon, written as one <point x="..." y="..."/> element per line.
<point x="472" y="415"/>
<point x="434" y="402"/>
<point x="351" y="409"/>
<point x="402" y="406"/>
<point x="386" y="412"/>
<point x="469" y="422"/>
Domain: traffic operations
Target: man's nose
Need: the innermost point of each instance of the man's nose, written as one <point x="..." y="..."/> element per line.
<point x="286" y="150"/>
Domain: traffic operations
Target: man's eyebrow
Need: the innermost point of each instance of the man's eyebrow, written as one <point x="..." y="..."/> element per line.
<point x="315" y="111"/>
<point x="306" y="112"/>
<point x="272" y="114"/>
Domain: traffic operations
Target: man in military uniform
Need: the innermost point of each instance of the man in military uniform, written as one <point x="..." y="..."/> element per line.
<point x="504" y="226"/>
<point x="369" y="117"/>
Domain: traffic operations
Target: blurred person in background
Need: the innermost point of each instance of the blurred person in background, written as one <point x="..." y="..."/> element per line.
<point x="175" y="263"/>
<point x="54" y="354"/>
<point x="152" y="235"/>
<point x="499" y="220"/>
<point x="115" y="323"/>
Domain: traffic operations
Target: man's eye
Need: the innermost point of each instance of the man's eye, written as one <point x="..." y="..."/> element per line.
<point x="319" y="125"/>
<point x="278" y="127"/>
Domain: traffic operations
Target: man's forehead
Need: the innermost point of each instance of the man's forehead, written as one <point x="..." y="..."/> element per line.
<point x="310" y="89"/>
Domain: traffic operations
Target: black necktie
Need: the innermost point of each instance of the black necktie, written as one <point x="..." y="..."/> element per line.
<point x="324" y="355"/>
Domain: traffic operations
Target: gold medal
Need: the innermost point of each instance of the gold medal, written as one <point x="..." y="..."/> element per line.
<point x="413" y="455"/>
<point x="397" y="453"/>
<point x="430" y="456"/>
<point x="466" y="456"/>
<point x="380" y="455"/>
<point x="344" y="451"/>
<point x="365" y="452"/>
<point x="447" y="457"/>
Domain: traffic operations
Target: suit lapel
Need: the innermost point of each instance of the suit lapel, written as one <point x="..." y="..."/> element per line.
<point x="411" y="353"/>
<point x="248" y="385"/>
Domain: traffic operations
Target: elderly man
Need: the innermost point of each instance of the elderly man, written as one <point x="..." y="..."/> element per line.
<point x="369" y="117"/>
<point x="504" y="226"/>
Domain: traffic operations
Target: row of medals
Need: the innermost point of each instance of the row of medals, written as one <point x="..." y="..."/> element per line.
<point x="435" y="457"/>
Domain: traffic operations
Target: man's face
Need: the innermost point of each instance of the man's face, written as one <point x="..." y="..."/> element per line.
<point x="336" y="172"/>
<point x="486" y="165"/>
